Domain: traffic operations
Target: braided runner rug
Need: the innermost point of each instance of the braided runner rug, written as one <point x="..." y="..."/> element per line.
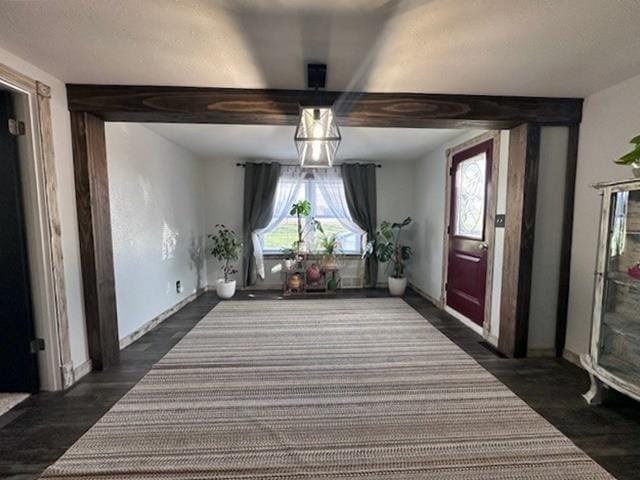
<point x="321" y="389"/>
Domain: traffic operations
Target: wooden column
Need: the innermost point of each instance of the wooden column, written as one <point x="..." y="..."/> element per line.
<point x="524" y="156"/>
<point x="567" y="238"/>
<point x="94" y="226"/>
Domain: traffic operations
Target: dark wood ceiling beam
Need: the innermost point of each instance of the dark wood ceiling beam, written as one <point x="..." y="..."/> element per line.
<point x="280" y="107"/>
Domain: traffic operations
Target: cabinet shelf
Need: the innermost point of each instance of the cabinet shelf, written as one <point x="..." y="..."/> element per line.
<point x="623" y="279"/>
<point x="623" y="324"/>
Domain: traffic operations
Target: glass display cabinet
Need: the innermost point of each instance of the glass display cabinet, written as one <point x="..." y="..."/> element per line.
<point x="614" y="356"/>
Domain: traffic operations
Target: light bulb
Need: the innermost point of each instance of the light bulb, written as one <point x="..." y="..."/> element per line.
<point x="316" y="150"/>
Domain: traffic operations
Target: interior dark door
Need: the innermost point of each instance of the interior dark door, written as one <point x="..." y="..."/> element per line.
<point x="467" y="256"/>
<point x="18" y="364"/>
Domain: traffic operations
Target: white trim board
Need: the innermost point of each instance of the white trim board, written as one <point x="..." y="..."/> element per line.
<point x="82" y="370"/>
<point x="464" y="320"/>
<point x="437" y="303"/>
<point x="157" y="320"/>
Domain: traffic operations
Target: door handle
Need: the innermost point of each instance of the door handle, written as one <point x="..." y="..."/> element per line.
<point x="483" y="246"/>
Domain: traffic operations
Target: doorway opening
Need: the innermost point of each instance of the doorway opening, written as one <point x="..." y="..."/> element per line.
<point x="35" y="340"/>
<point x="18" y="341"/>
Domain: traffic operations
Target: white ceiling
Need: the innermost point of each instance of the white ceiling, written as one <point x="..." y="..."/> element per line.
<point x="503" y="47"/>
<point x="265" y="142"/>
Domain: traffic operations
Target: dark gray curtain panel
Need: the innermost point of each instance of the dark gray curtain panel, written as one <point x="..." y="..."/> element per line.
<point x="360" y="188"/>
<point x="260" y="183"/>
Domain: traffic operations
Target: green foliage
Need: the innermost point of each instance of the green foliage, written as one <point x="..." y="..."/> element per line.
<point x="633" y="156"/>
<point x="386" y="247"/>
<point x="302" y="209"/>
<point x="330" y="244"/>
<point x="226" y="247"/>
<point x="289" y="253"/>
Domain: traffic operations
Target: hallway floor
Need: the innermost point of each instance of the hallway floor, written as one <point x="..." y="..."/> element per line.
<point x="39" y="430"/>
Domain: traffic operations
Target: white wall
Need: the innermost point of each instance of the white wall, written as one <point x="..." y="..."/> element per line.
<point x="395" y="184"/>
<point x="66" y="202"/>
<point x="223" y="202"/>
<point x="545" y="277"/>
<point x="155" y="189"/>
<point x="610" y="119"/>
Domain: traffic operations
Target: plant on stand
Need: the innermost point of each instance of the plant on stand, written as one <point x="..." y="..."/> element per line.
<point x="302" y="210"/>
<point x="330" y="245"/>
<point x="633" y="157"/>
<point x="226" y="248"/>
<point x="387" y="248"/>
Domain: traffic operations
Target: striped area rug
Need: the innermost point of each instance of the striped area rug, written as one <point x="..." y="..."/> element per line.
<point x="321" y="389"/>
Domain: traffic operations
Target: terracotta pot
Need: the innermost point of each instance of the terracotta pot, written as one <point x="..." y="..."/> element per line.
<point x="313" y="273"/>
<point x="330" y="262"/>
<point x="295" y="282"/>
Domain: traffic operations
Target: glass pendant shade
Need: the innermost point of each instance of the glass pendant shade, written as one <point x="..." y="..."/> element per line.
<point x="317" y="137"/>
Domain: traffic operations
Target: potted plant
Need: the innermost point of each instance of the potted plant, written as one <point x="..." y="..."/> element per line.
<point x="387" y="248"/>
<point x="289" y="257"/>
<point x="330" y="245"/>
<point x="226" y="248"/>
<point x="302" y="209"/>
<point x="633" y="157"/>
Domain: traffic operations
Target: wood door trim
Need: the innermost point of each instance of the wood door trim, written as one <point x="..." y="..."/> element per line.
<point x="94" y="228"/>
<point x="522" y="190"/>
<point x="492" y="203"/>
<point x="567" y="240"/>
<point x="44" y="153"/>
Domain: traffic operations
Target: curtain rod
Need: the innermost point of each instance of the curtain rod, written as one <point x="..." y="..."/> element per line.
<point x="378" y="165"/>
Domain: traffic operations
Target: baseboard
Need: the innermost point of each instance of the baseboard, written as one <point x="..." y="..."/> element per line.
<point x="493" y="340"/>
<point x="464" y="320"/>
<point x="425" y="295"/>
<point x="157" y="320"/>
<point x="82" y="370"/>
<point x="541" y="352"/>
<point x="572" y="357"/>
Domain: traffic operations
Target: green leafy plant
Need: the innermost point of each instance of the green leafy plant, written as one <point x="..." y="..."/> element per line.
<point x="302" y="209"/>
<point x="633" y="156"/>
<point x="330" y="244"/>
<point x="288" y="253"/>
<point x="386" y="247"/>
<point x="226" y="247"/>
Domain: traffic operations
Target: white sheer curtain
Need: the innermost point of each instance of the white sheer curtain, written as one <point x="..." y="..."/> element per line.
<point x="330" y="186"/>
<point x="286" y="194"/>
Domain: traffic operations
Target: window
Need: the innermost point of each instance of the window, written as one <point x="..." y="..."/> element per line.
<point x="328" y="206"/>
<point x="470" y="197"/>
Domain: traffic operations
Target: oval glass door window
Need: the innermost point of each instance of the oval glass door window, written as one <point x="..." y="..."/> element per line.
<point x="470" y="177"/>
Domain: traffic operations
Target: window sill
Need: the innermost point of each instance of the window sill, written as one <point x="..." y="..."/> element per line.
<point x="279" y="256"/>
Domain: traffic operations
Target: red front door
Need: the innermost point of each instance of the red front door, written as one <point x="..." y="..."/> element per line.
<point x="467" y="258"/>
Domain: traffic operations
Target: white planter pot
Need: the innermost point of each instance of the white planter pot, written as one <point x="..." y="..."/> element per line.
<point x="288" y="264"/>
<point x="635" y="168"/>
<point x="225" y="289"/>
<point x="397" y="286"/>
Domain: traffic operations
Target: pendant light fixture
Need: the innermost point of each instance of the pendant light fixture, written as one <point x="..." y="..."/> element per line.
<point x="317" y="134"/>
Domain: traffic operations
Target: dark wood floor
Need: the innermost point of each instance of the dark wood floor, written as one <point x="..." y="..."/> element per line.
<point x="39" y="430"/>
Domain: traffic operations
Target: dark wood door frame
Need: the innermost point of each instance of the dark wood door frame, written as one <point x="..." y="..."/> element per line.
<point x="567" y="238"/>
<point x="522" y="184"/>
<point x="92" y="105"/>
<point x="94" y="230"/>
